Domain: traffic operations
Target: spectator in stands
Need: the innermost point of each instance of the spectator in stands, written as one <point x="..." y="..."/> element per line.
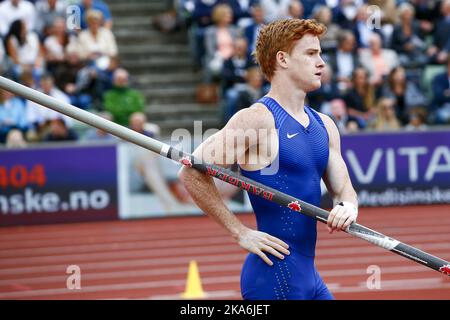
<point x="234" y="75"/>
<point x="328" y="41"/>
<point x="98" y="46"/>
<point x="251" y="31"/>
<point x="338" y="113"/>
<point x="344" y="13"/>
<point x="405" y="93"/>
<point x="24" y="49"/>
<point x="94" y="134"/>
<point x="360" y="99"/>
<point x="5" y="63"/>
<point x="79" y="86"/>
<point x="407" y="38"/>
<point x="427" y="12"/>
<point x="57" y="44"/>
<point x="388" y="10"/>
<point x="440" y="49"/>
<point x="47" y="12"/>
<point x="441" y="96"/>
<point x="219" y="40"/>
<point x="361" y="29"/>
<point x="345" y="60"/>
<point x="242" y="11"/>
<point x="252" y="90"/>
<point x="60" y="132"/>
<point x="235" y="68"/>
<point x="385" y="120"/>
<point x="275" y="9"/>
<point x="202" y="13"/>
<point x="295" y="10"/>
<point x="12" y="10"/>
<point x="382" y="18"/>
<point x="98" y="43"/>
<point x="12" y="114"/>
<point x="122" y="101"/>
<point x="378" y="61"/>
<point x="97" y="5"/>
<point x="15" y="139"/>
<point x="38" y="116"/>
<point x="417" y="119"/>
<point x="319" y="99"/>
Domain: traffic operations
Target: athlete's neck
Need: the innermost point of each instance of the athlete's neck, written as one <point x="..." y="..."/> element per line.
<point x="292" y="99"/>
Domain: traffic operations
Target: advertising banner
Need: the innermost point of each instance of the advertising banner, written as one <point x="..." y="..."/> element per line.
<point x="399" y="168"/>
<point x="58" y="184"/>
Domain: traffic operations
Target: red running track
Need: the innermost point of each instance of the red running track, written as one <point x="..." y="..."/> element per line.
<point x="148" y="259"/>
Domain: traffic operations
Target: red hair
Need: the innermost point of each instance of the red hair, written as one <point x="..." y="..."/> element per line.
<point x="280" y="36"/>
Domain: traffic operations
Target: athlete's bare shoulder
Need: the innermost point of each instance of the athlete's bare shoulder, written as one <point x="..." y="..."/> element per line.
<point x="328" y="122"/>
<point x="257" y="116"/>
<point x="333" y="132"/>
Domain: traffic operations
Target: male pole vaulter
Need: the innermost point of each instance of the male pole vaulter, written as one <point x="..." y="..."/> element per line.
<point x="280" y="264"/>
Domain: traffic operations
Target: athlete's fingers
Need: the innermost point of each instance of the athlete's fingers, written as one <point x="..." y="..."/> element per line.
<point x="277" y="247"/>
<point x="276" y="240"/>
<point x="342" y="220"/>
<point x="331" y="217"/>
<point x="338" y="212"/>
<point x="263" y="256"/>
<point x="348" y="222"/>
<point x="272" y="251"/>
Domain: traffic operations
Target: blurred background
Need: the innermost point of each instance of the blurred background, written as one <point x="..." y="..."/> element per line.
<point x="71" y="195"/>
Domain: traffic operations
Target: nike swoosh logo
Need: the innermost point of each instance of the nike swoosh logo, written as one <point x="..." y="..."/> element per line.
<point x="290" y="136"/>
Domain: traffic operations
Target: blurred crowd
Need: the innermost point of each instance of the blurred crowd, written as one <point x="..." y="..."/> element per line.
<point x="66" y="49"/>
<point x="388" y="62"/>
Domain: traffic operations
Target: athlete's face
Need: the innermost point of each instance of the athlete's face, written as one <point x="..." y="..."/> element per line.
<point x="304" y="64"/>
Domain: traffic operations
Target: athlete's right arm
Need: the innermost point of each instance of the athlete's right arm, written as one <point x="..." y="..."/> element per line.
<point x="223" y="150"/>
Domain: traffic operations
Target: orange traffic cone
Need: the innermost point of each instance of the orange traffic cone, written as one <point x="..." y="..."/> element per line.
<point x="194" y="288"/>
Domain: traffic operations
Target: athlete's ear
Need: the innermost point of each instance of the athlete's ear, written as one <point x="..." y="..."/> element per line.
<point x="282" y="58"/>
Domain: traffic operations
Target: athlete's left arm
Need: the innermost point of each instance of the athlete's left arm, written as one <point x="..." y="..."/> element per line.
<point x="338" y="183"/>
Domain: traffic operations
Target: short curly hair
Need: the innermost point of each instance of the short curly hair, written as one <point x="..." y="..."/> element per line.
<point x="280" y="35"/>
